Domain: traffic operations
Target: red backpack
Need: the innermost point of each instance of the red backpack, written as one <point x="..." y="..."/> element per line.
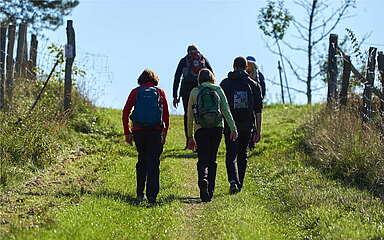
<point x="195" y="62"/>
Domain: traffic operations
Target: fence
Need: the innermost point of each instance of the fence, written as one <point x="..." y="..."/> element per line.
<point x="24" y="66"/>
<point x="370" y="91"/>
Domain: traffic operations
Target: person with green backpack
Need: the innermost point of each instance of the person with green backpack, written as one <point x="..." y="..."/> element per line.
<point x="207" y="106"/>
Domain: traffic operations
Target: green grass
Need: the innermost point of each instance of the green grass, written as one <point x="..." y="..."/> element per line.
<point x="283" y="198"/>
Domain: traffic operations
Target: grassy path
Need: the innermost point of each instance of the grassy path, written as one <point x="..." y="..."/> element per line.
<point x="284" y="197"/>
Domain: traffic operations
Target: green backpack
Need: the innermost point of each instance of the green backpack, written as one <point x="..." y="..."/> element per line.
<point x="207" y="109"/>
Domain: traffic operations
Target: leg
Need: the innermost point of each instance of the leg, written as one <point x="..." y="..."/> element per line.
<point x="141" y="173"/>
<point x="215" y="139"/>
<point x="243" y="140"/>
<point x="154" y="150"/>
<point x="185" y="100"/>
<point x="203" y="154"/>
<point x="231" y="159"/>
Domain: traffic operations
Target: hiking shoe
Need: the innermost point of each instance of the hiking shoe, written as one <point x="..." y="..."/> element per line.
<point x="233" y="189"/>
<point x="151" y="200"/>
<point x="204" y="194"/>
<point x="140" y="197"/>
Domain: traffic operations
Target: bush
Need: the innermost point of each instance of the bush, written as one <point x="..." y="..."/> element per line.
<point x="344" y="147"/>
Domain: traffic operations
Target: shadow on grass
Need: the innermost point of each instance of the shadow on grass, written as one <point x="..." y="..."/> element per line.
<point x="178" y="153"/>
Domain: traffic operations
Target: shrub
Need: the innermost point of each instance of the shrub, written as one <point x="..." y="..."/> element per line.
<point x="344" y="147"/>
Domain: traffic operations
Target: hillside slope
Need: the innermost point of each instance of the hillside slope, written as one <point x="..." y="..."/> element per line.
<point x="92" y="196"/>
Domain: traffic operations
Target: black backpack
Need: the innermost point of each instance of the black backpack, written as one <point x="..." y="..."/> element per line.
<point x="241" y="101"/>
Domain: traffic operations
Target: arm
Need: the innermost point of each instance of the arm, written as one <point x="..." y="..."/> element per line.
<point x="190" y="116"/>
<point x="224" y="108"/>
<point x="164" y="102"/>
<point x="176" y="81"/>
<point x="126" y="112"/>
<point x="208" y="65"/>
<point x="258" y="98"/>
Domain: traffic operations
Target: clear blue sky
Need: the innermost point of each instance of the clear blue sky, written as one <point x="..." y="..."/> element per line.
<point x="154" y="34"/>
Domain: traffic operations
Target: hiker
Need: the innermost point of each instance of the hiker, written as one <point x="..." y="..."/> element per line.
<point x="245" y="101"/>
<point x="254" y="73"/>
<point x="188" y="67"/>
<point x="206" y="107"/>
<point x="150" y="120"/>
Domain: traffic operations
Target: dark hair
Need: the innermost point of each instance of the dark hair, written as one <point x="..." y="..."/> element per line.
<point x="191" y="48"/>
<point x="240" y="63"/>
<point x="205" y="75"/>
<point x="148" y="76"/>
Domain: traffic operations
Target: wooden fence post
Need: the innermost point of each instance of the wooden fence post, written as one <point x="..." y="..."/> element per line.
<point x="347" y="68"/>
<point x="70" y="54"/>
<point x="332" y="69"/>
<point x="20" y="49"/>
<point x="9" y="68"/>
<point x="281" y="82"/>
<point x="3" y="40"/>
<point x="367" y="94"/>
<point x="380" y="63"/>
<point x="33" y="56"/>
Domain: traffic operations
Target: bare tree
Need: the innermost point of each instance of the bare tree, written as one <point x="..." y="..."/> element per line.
<point x="321" y="18"/>
<point x="274" y="20"/>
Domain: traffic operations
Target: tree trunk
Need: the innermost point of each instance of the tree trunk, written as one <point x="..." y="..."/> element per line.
<point x="3" y="40"/>
<point x="281" y="83"/>
<point x="20" y="49"/>
<point x="310" y="47"/>
<point x="70" y="54"/>
<point x="9" y="67"/>
<point x="367" y="94"/>
<point x="332" y="70"/>
<point x="347" y="68"/>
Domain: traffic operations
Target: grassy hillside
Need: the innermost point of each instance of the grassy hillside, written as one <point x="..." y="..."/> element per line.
<point x="91" y="195"/>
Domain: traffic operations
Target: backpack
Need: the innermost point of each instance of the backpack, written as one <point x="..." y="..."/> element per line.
<point x="207" y="109"/>
<point x="195" y="62"/>
<point x="241" y="101"/>
<point x="148" y="111"/>
<point x="256" y="75"/>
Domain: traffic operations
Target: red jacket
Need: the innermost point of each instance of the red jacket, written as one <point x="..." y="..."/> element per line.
<point x="131" y="102"/>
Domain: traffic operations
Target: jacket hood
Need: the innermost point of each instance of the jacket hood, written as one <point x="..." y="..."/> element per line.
<point x="237" y="75"/>
<point x="211" y="85"/>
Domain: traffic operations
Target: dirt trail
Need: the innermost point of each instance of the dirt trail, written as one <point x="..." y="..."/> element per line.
<point x="192" y="205"/>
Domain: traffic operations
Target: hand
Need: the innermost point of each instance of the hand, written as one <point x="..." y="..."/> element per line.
<point x="233" y="135"/>
<point x="163" y="137"/>
<point x="256" y="137"/>
<point x="191" y="144"/>
<point x="176" y="102"/>
<point x="129" y="138"/>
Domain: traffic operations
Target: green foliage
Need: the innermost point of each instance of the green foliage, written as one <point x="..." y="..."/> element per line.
<point x="341" y="145"/>
<point x="274" y="19"/>
<point x="356" y="46"/>
<point x="40" y="14"/>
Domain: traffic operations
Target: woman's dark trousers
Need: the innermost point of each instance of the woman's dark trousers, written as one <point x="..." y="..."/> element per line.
<point x="149" y="148"/>
<point x="208" y="142"/>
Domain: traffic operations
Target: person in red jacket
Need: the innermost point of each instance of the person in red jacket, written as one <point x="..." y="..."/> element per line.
<point x="150" y="119"/>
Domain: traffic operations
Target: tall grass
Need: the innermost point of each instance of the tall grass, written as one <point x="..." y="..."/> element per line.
<point x="32" y="140"/>
<point x="344" y="147"/>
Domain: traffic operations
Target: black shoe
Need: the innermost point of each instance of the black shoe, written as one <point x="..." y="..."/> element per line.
<point x="140" y="197"/>
<point x="204" y="194"/>
<point x="151" y="200"/>
<point x="233" y="189"/>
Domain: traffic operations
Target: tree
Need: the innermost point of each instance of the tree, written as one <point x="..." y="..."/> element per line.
<point x="316" y="26"/>
<point x="38" y="13"/>
<point x="274" y="20"/>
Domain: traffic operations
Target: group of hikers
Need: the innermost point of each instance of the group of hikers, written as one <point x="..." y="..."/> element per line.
<point x="233" y="107"/>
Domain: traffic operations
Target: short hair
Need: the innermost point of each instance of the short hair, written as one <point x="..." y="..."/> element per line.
<point x="191" y="48"/>
<point x="205" y="75"/>
<point x="148" y="76"/>
<point x="240" y="63"/>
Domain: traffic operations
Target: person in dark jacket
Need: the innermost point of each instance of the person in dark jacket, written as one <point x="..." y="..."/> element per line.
<point x="246" y="102"/>
<point x="149" y="140"/>
<point x="188" y="69"/>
